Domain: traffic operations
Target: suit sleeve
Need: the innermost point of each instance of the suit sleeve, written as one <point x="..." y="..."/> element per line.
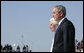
<point x="68" y="37"/>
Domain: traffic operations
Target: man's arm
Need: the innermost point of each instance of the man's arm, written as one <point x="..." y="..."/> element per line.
<point x="68" y="37"/>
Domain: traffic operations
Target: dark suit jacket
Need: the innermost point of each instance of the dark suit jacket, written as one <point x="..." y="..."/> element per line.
<point x="64" y="40"/>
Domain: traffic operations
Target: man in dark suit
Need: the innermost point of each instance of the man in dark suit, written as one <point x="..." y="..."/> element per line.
<point x="64" y="39"/>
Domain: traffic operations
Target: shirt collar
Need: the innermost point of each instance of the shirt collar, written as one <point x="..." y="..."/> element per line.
<point x="61" y="21"/>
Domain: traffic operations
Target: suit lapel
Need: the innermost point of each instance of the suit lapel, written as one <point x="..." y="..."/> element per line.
<point x="61" y="24"/>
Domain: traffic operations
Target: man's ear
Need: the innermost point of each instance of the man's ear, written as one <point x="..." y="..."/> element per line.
<point x="61" y="13"/>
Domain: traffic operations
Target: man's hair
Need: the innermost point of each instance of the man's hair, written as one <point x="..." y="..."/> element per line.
<point x="61" y="8"/>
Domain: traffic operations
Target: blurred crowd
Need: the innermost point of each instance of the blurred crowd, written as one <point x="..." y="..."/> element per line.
<point x="9" y="48"/>
<point x="25" y="48"/>
<point x="79" y="46"/>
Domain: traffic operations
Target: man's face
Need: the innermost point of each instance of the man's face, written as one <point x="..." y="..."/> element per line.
<point x="52" y="27"/>
<point x="55" y="14"/>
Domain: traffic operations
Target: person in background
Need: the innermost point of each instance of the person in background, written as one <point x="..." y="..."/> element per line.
<point x="53" y="24"/>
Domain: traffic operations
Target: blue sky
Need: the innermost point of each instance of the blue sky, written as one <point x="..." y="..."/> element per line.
<point x="31" y="19"/>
